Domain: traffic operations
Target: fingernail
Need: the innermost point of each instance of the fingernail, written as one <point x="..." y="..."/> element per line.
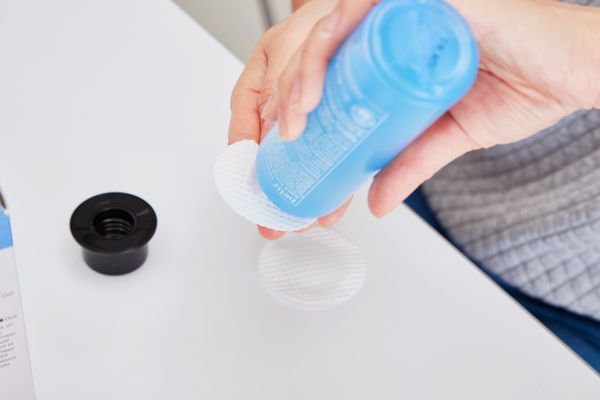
<point x="265" y="127"/>
<point x="295" y="96"/>
<point x="294" y="126"/>
<point x="306" y="228"/>
<point x="330" y="25"/>
<point x="374" y="203"/>
<point x="266" y="119"/>
<point x="325" y="222"/>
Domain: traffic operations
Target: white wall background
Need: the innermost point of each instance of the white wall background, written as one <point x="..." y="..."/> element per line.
<point x="238" y="24"/>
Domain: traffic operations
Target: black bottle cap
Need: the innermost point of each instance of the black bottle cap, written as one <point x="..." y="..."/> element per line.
<point x="114" y="230"/>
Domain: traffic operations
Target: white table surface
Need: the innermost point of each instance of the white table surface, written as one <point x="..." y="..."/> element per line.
<point x="132" y="95"/>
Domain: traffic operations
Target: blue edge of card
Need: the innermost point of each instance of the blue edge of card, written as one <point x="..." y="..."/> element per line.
<point x="5" y="234"/>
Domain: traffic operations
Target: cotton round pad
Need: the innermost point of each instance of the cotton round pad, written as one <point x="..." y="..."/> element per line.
<point x="317" y="269"/>
<point x="235" y="176"/>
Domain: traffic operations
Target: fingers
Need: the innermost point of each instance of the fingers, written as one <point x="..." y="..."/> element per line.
<point x="322" y="44"/>
<point x="291" y="120"/>
<point x="281" y="46"/>
<point x="245" y="119"/>
<point x="268" y="115"/>
<point x="269" y="99"/>
<point x="325" y="222"/>
<point x="256" y="104"/>
<point x="330" y="219"/>
<point x="443" y="142"/>
<point x="301" y="84"/>
<point x="308" y="228"/>
<point x="269" y="234"/>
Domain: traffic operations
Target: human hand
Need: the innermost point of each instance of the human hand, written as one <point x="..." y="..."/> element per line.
<point x="538" y="63"/>
<point x="253" y="101"/>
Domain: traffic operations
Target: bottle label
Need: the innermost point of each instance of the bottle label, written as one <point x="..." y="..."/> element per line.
<point x="342" y="120"/>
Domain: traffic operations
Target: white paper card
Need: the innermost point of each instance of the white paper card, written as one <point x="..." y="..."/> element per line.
<point x="16" y="381"/>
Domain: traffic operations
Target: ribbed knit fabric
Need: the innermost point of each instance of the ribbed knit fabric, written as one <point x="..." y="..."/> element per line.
<point x="529" y="212"/>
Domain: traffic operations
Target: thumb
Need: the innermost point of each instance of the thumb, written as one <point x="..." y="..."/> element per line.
<point x="443" y="142"/>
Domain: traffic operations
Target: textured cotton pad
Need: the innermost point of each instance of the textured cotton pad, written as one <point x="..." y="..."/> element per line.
<point x="235" y="176"/>
<point x="317" y="269"/>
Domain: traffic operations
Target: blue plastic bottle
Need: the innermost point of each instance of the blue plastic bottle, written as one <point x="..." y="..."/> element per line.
<point x="403" y="67"/>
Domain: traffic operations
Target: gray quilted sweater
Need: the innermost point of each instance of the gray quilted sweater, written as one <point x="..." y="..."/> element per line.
<point x="529" y="212"/>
